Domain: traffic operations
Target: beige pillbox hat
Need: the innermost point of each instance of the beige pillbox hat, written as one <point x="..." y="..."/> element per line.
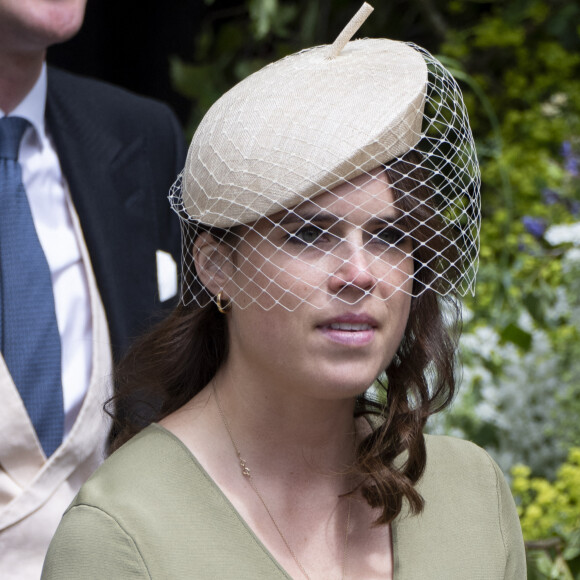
<point x="302" y="125"/>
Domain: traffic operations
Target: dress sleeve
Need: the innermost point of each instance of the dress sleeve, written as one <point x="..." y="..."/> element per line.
<point x="90" y="544"/>
<point x="511" y="530"/>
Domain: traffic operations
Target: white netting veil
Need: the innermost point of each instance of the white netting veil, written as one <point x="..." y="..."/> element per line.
<point x="327" y="169"/>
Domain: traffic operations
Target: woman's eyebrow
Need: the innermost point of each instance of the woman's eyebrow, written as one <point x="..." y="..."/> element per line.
<point x="384" y="220"/>
<point x="330" y="218"/>
<point x="308" y="217"/>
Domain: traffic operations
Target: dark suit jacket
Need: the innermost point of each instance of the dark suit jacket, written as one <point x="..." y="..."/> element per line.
<point x="119" y="153"/>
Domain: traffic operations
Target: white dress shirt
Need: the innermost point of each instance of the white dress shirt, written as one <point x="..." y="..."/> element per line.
<point x="52" y="211"/>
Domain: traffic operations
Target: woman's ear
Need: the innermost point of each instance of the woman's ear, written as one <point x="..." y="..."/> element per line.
<point x="212" y="259"/>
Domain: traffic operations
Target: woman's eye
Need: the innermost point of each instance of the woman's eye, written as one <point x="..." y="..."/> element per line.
<point x="307" y="235"/>
<point x="391" y="236"/>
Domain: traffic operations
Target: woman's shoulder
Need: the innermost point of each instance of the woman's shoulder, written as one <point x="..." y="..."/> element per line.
<point x="464" y="484"/>
<point x="453" y="452"/>
<point x="137" y="467"/>
<point x="152" y="511"/>
<point x="469" y="517"/>
<point x="445" y="443"/>
<point x="151" y="444"/>
<point x="461" y="465"/>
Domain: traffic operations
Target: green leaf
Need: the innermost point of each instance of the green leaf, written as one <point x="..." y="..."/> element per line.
<point x="190" y="80"/>
<point x="572" y="549"/>
<point x="263" y="13"/>
<point x="514" y="334"/>
<point x="544" y="564"/>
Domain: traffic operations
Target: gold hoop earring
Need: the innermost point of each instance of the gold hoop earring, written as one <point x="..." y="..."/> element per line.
<point x="223" y="308"/>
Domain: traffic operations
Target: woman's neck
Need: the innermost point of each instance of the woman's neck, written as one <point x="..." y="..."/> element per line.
<point x="284" y="425"/>
<point x="298" y="449"/>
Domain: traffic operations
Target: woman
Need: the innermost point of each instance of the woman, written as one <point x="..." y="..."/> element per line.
<point x="330" y="215"/>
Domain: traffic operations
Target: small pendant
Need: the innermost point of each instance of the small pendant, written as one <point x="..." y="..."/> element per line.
<point x="245" y="468"/>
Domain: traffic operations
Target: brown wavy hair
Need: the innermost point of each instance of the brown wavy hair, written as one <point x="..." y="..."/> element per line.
<point x="166" y="368"/>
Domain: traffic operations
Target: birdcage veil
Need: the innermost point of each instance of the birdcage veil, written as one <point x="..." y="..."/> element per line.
<point x="291" y="135"/>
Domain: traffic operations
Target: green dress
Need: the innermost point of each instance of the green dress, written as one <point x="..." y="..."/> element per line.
<point x="152" y="511"/>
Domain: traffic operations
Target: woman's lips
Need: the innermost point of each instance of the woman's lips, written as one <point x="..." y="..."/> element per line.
<point x="351" y="330"/>
<point x="349" y="326"/>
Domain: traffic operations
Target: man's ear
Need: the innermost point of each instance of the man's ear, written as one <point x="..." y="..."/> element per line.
<point x="212" y="260"/>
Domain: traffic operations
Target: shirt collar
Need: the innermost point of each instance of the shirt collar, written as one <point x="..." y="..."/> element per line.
<point x="32" y="107"/>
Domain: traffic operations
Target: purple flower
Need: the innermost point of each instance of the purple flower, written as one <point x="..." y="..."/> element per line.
<point x="571" y="161"/>
<point x="550" y="196"/>
<point x="571" y="166"/>
<point x="535" y="226"/>
<point x="574" y="207"/>
<point x="566" y="149"/>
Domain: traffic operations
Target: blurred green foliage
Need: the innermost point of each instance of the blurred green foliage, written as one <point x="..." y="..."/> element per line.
<point x="525" y="57"/>
<point x="522" y="62"/>
<point x="550" y="518"/>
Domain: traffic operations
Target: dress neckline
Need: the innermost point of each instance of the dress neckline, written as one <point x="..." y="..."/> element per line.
<point x="227" y="502"/>
<point x="230" y="506"/>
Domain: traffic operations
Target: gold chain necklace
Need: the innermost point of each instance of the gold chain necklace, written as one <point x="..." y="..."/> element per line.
<point x="246" y="473"/>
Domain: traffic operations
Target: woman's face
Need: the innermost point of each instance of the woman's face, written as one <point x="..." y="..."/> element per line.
<point x="323" y="291"/>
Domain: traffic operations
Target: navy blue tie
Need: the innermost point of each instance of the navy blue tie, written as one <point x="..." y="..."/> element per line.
<point x="29" y="336"/>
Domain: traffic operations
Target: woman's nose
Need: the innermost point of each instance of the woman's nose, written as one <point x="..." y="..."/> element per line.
<point x="354" y="269"/>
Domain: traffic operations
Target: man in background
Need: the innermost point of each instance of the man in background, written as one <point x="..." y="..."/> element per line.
<point x="88" y="255"/>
